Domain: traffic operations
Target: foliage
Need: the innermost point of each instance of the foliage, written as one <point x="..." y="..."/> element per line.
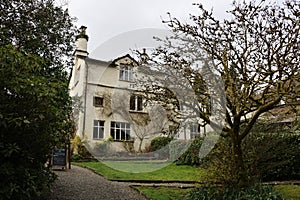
<point x="79" y="150"/>
<point x="40" y="28"/>
<point x="160" y="145"/>
<point x="160" y="142"/>
<point x="102" y="147"/>
<point x="35" y="108"/>
<point x="191" y="156"/>
<point x="267" y="157"/>
<point x="237" y="68"/>
<point x="177" y="148"/>
<point x="273" y="156"/>
<point x="220" y="165"/>
<point x="253" y="193"/>
<point x="288" y="191"/>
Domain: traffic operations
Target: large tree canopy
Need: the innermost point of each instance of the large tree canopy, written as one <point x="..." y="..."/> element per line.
<point x="251" y="59"/>
<point x="35" y="46"/>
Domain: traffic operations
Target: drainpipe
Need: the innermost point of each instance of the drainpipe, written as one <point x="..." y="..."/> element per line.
<point x="85" y="97"/>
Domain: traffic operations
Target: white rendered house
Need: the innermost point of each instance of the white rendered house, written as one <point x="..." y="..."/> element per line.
<point x="108" y="106"/>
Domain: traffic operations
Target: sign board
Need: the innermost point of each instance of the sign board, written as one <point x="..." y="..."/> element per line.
<point x="60" y="157"/>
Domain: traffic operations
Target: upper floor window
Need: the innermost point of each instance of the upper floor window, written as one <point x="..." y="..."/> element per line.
<point x="126" y="73"/>
<point x="136" y="103"/>
<point x="98" y="101"/>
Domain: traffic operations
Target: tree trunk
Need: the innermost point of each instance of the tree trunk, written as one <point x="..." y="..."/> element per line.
<point x="140" y="145"/>
<point x="239" y="169"/>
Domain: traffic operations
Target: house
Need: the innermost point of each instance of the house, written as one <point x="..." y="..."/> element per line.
<point x="107" y="106"/>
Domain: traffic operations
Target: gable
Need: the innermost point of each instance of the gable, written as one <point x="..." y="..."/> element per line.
<point x="124" y="60"/>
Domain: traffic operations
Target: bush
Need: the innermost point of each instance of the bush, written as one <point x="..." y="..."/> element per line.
<point x="34" y="120"/>
<point x="177" y="148"/>
<point x="159" y="142"/>
<point x="215" y="193"/>
<point x="220" y="164"/>
<point x="191" y="156"/>
<point x="267" y="157"/>
<point x="78" y="149"/>
<point x="160" y="145"/>
<point x="273" y="156"/>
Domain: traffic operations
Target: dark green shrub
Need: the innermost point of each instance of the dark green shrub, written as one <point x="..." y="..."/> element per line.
<point x="177" y="148"/>
<point x="160" y="145"/>
<point x="273" y="156"/>
<point x="160" y="142"/>
<point x="257" y="192"/>
<point x="220" y="164"/>
<point x="191" y="156"/>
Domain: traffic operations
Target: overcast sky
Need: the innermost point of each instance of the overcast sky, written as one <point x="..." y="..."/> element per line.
<point x="106" y="20"/>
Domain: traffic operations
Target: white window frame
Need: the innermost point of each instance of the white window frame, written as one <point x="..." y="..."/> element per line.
<point x="136" y="103"/>
<point x="126" y="73"/>
<point x="98" y="129"/>
<point x="120" y="131"/>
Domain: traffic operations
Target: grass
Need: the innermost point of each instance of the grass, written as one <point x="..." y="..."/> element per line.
<point x="289" y="192"/>
<point x="170" y="172"/>
<point x="163" y="193"/>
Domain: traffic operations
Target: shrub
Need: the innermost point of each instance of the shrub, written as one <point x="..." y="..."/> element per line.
<point x="215" y="193"/>
<point x="220" y="164"/>
<point x="273" y="156"/>
<point x="177" y="148"/>
<point x="160" y="145"/>
<point x="78" y="149"/>
<point x="160" y="142"/>
<point x="191" y="156"/>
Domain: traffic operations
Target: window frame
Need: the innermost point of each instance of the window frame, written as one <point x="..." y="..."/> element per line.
<point x="126" y="73"/>
<point x="120" y="131"/>
<point x="95" y="101"/>
<point x="136" y="103"/>
<point x="99" y="126"/>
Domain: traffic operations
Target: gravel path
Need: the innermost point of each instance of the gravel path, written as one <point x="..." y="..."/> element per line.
<point x="82" y="184"/>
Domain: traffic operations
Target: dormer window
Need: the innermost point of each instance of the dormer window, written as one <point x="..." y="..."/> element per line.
<point x="126" y="73"/>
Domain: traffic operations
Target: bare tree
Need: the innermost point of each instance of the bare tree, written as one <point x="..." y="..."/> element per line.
<point x="251" y="60"/>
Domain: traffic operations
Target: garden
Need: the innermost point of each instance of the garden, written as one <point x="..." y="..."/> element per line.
<point x="272" y="169"/>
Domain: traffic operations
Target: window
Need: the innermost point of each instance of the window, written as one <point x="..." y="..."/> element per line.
<point x="98" y="130"/>
<point x="136" y="103"/>
<point x="98" y="101"/>
<point x="126" y="73"/>
<point x="120" y="130"/>
<point x="194" y="130"/>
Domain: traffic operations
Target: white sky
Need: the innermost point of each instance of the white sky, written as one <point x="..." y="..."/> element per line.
<point x="106" y="19"/>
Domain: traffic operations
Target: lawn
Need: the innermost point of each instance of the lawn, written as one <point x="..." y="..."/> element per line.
<point x="289" y="192"/>
<point x="170" y="172"/>
<point x="163" y="193"/>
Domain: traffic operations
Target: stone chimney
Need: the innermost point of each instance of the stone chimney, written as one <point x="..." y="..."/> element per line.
<point x="144" y="57"/>
<point x="81" y="43"/>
